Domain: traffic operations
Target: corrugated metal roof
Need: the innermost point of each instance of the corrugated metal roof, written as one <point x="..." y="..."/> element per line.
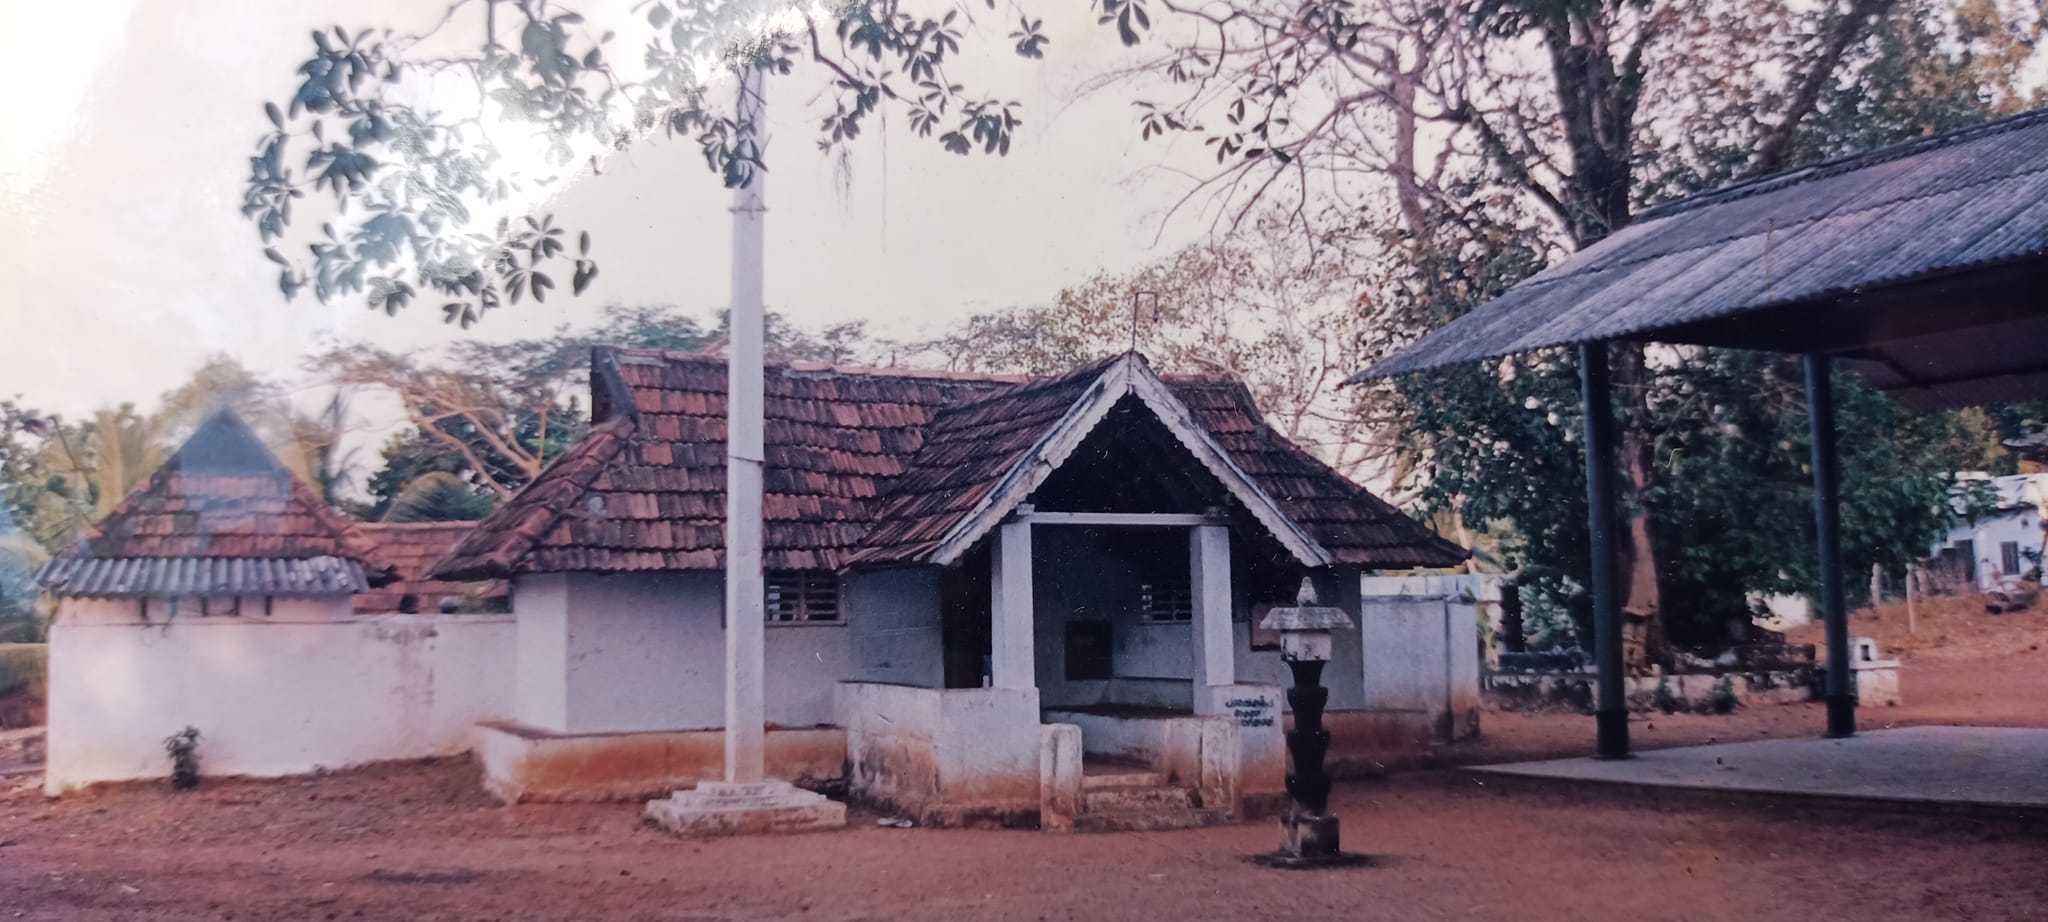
<point x="1832" y="234"/>
<point x="189" y="576"/>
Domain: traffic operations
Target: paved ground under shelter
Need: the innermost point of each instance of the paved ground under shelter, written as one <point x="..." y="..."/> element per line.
<point x="1975" y="768"/>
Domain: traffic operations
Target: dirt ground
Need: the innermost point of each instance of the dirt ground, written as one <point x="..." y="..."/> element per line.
<point x="420" y="841"/>
<point x="1941" y="629"/>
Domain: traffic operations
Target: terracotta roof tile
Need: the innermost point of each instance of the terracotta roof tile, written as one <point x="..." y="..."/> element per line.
<point x="863" y="466"/>
<point x="223" y="494"/>
<point x="414" y="547"/>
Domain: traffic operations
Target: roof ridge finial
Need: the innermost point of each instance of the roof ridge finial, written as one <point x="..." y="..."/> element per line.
<point x="1307" y="595"/>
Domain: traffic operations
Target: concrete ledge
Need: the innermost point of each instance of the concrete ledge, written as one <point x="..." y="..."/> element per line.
<point x="1059" y="777"/>
<point x="1986" y="771"/>
<point x="527" y="764"/>
<point x="948" y="757"/>
<point x="1778" y="803"/>
<point x="719" y="809"/>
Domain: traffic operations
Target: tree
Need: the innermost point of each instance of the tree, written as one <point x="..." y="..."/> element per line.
<point x="59" y="476"/>
<point x="490" y="416"/>
<point x="439" y="496"/>
<point x="1439" y="134"/>
<point x="1255" y="307"/>
<point x="501" y="411"/>
<point x="429" y="200"/>
<point x="19" y="559"/>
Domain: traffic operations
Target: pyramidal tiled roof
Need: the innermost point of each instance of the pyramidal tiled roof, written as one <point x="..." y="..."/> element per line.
<point x="877" y="466"/>
<point x="222" y="514"/>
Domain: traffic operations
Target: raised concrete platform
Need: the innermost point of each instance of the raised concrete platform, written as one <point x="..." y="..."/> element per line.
<point x="716" y="808"/>
<point x="523" y="763"/>
<point x="1993" y="770"/>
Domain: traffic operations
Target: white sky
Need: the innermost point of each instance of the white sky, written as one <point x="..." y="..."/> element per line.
<point x="126" y="262"/>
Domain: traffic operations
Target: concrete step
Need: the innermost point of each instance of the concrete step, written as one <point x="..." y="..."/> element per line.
<point x="1118" y="776"/>
<point x="1153" y="798"/>
<point x="1148" y="821"/>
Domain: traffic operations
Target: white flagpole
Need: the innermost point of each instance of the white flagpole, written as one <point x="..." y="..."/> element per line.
<point x="745" y="595"/>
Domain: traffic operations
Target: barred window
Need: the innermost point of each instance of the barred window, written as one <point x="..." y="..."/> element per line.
<point x="803" y="595"/>
<point x="1167" y="600"/>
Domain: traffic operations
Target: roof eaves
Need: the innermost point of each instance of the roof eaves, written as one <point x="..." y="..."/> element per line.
<point x="502" y="540"/>
<point x="1126" y="374"/>
<point x="1031" y="468"/>
<point x="1181" y="423"/>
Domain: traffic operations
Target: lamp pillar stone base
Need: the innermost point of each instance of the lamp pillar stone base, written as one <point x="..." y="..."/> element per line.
<point x="1307" y="834"/>
<point x="715" y="808"/>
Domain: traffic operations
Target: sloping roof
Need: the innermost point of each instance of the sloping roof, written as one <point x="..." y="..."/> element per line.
<point x="1351" y="523"/>
<point x="645" y="489"/>
<point x="412" y="548"/>
<point x="1711" y="269"/>
<point x="868" y="467"/>
<point x="967" y="451"/>
<point x="222" y="496"/>
<point x="169" y="576"/>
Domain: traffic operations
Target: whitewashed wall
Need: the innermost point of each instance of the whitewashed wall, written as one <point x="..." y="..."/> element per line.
<point x="893" y="616"/>
<point x="1421" y="650"/>
<point x="634" y="652"/>
<point x="964" y="756"/>
<point x="2022" y="527"/>
<point x="309" y="686"/>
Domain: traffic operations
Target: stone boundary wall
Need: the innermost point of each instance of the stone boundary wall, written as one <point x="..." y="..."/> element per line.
<point x="1695" y="692"/>
<point x="314" y="688"/>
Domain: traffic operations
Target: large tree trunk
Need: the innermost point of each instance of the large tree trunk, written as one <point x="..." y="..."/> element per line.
<point x="1597" y="91"/>
<point x="1641" y="600"/>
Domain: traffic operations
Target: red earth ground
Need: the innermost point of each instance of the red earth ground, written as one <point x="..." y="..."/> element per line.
<point x="420" y="841"/>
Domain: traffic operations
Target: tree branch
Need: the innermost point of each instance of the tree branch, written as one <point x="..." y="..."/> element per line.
<point x="1775" y="147"/>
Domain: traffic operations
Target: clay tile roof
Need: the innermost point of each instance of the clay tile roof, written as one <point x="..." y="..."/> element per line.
<point x="221" y="496"/>
<point x="966" y="452"/>
<point x="1351" y="523"/>
<point x="864" y="466"/>
<point x="414" y="547"/>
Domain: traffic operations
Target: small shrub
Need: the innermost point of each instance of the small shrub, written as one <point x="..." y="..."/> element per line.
<point x="22" y="664"/>
<point x="1664" y="700"/>
<point x="184" y="749"/>
<point x="1724" y="696"/>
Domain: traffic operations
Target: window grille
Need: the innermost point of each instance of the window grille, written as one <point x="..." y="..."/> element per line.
<point x="1168" y="600"/>
<point x="803" y="595"/>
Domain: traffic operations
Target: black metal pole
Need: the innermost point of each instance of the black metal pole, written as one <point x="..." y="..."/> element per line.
<point x="1610" y="709"/>
<point x="1827" y="520"/>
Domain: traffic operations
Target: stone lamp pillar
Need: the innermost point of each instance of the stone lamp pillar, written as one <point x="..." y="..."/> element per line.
<point x="1308" y="833"/>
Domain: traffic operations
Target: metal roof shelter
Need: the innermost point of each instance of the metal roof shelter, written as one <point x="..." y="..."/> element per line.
<point x="1922" y="266"/>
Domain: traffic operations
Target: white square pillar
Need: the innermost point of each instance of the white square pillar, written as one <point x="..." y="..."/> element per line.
<point x="1209" y="578"/>
<point x="1013" y="664"/>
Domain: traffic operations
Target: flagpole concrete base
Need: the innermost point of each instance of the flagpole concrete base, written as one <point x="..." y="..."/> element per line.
<point x="716" y="808"/>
